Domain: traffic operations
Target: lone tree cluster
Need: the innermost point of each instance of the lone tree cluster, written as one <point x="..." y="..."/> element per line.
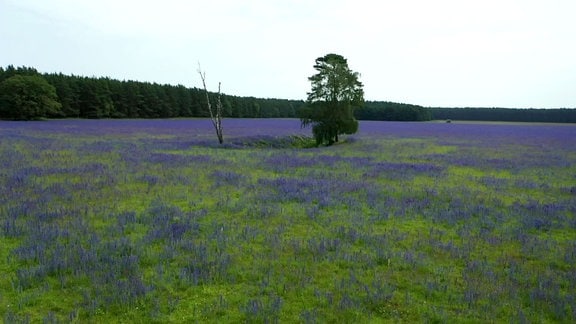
<point x="336" y="92"/>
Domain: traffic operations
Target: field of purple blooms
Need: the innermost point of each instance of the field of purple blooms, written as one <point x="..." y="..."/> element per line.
<point x="153" y="221"/>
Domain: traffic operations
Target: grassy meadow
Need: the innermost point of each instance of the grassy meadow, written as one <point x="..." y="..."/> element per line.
<point x="152" y="221"/>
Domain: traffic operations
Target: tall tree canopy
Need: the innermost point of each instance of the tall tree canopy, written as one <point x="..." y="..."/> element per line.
<point x="28" y="97"/>
<point x="336" y="92"/>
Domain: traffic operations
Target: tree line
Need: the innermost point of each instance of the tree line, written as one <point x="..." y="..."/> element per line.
<point x="27" y="94"/>
<point x="91" y="97"/>
<point x="561" y="115"/>
<point x="385" y="110"/>
<point x="72" y="96"/>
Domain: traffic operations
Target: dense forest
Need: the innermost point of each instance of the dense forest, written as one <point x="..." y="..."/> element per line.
<point x="90" y="97"/>
<point x="506" y="114"/>
<point x="27" y="94"/>
<point x="385" y="110"/>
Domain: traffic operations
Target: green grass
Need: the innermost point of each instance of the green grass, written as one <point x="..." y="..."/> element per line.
<point x="454" y="243"/>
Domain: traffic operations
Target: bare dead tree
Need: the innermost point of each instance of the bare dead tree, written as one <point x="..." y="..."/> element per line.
<point x="215" y="116"/>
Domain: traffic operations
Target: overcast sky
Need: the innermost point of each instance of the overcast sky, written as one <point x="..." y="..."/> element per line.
<point x="481" y="53"/>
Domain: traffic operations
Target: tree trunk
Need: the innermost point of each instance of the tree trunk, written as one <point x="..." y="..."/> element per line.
<point x="216" y="117"/>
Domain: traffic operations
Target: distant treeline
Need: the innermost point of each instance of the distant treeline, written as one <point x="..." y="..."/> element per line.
<point x="384" y="110"/>
<point x="27" y="94"/>
<point x="562" y="115"/>
<point x="91" y="97"/>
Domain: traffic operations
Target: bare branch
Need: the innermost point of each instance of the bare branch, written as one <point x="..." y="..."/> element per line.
<point x="216" y="117"/>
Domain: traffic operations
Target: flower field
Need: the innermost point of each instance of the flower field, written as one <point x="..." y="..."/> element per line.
<point x="153" y="221"/>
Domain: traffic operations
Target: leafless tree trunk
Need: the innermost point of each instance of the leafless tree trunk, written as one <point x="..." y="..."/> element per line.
<point x="215" y="116"/>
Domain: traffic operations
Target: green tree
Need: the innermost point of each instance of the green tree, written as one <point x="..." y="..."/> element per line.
<point x="336" y="92"/>
<point x="94" y="98"/>
<point x="67" y="93"/>
<point x="26" y="97"/>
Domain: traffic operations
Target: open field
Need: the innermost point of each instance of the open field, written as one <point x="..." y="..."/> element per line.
<point x="153" y="221"/>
